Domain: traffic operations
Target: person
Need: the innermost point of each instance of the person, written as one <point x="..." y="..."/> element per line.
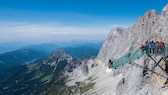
<point x="147" y="47"/>
<point x="156" y="47"/>
<point x="143" y="48"/>
<point x="110" y="63"/>
<point x="152" y="47"/>
<point x="161" y="46"/>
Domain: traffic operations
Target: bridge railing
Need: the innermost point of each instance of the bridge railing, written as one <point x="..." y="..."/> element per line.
<point x="126" y="58"/>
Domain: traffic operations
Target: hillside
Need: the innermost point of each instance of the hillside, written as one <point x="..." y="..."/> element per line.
<point x="19" y="57"/>
<point x="43" y="78"/>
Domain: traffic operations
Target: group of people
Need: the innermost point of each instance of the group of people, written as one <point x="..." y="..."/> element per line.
<point x="153" y="47"/>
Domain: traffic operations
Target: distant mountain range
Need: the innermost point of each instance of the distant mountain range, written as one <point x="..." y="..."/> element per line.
<point x="7" y="47"/>
<point x="83" y="51"/>
<point x="30" y="54"/>
<point x="11" y="46"/>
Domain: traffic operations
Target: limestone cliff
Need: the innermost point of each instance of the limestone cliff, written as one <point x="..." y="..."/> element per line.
<point x="150" y="27"/>
<point x="129" y="79"/>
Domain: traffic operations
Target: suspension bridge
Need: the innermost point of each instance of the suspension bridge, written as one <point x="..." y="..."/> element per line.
<point x="130" y="58"/>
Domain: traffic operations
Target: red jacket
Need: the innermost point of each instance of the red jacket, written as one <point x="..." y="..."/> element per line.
<point x="142" y="46"/>
<point x="161" y="43"/>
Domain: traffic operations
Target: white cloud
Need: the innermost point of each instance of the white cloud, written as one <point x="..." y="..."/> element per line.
<point x="35" y="33"/>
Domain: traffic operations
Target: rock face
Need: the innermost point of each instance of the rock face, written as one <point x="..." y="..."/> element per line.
<point x="150" y="27"/>
<point x="120" y="41"/>
<point x="129" y="79"/>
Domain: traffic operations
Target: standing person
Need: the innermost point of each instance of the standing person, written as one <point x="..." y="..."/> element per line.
<point x="156" y="47"/>
<point x="161" y="46"/>
<point x="152" y="47"/>
<point x="110" y="63"/>
<point x="143" y="48"/>
<point x="147" y="47"/>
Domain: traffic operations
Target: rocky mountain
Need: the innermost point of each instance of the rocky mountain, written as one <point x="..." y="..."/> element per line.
<point x="129" y="79"/>
<point x="43" y="78"/>
<point x="121" y="41"/>
<point x="59" y="56"/>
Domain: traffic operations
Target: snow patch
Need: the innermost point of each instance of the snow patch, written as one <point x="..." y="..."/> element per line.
<point x="114" y="32"/>
<point x="108" y="70"/>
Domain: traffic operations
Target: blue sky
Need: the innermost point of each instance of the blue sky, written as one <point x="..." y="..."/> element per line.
<point x="39" y="21"/>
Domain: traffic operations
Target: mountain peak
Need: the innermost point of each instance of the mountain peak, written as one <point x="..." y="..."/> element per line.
<point x="59" y="54"/>
<point x="62" y="61"/>
<point x="151" y="13"/>
<point x="165" y="10"/>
